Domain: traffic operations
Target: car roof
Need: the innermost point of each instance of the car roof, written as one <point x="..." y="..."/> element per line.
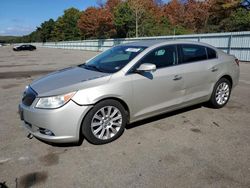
<point x="145" y="43"/>
<point x="155" y="42"/>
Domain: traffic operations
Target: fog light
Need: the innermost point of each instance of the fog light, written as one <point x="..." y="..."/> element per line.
<point x="46" y="132"/>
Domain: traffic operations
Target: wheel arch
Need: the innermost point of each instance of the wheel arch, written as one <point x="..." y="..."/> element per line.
<point x="83" y="133"/>
<point x="228" y="77"/>
<point x="123" y="103"/>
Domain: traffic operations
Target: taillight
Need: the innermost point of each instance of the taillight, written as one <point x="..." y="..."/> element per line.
<point x="237" y="62"/>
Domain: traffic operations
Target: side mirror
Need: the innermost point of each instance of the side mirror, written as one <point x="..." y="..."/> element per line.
<point x="146" y="67"/>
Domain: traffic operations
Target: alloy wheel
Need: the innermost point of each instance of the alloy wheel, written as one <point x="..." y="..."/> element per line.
<point x="222" y="93"/>
<point x="106" y="122"/>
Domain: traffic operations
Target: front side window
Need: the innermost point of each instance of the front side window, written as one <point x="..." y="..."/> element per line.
<point x="113" y="59"/>
<point x="161" y="57"/>
<point x="192" y="53"/>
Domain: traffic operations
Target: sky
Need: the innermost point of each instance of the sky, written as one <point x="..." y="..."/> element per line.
<point x="21" y="17"/>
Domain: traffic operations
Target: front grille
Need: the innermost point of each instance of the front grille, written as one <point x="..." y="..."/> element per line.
<point x="29" y="96"/>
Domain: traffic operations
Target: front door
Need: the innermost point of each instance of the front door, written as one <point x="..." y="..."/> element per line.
<point x="155" y="92"/>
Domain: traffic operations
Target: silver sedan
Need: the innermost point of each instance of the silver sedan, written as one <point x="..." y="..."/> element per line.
<point x="124" y="84"/>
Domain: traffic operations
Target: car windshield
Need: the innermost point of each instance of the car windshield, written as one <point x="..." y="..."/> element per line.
<point x="113" y="59"/>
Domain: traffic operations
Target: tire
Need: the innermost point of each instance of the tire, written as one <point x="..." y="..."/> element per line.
<point x="105" y="122"/>
<point x="221" y="93"/>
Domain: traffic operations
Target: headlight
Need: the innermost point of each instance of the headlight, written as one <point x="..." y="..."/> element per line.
<point x="54" y="101"/>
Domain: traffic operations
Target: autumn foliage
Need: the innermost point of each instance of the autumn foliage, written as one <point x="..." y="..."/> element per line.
<point x="139" y="18"/>
<point x="112" y="4"/>
<point x="97" y="22"/>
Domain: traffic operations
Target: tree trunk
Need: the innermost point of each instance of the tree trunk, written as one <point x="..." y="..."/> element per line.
<point x="136" y="23"/>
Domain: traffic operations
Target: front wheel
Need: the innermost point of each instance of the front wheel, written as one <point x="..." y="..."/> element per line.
<point x="221" y="93"/>
<point x="105" y="122"/>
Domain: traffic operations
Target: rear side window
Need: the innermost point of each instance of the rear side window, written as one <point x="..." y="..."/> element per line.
<point x="192" y="53"/>
<point x="211" y="53"/>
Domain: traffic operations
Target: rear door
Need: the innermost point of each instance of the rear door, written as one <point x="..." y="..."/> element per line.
<point x="195" y="68"/>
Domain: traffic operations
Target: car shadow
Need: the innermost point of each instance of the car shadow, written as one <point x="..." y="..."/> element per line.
<point x="163" y="116"/>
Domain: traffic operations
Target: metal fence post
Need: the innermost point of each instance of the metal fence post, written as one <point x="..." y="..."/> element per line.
<point x="229" y="44"/>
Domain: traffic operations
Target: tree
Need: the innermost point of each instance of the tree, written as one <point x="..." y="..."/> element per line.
<point x="220" y="10"/>
<point x="46" y="30"/>
<point x="35" y="36"/>
<point x="134" y="18"/>
<point x="58" y="32"/>
<point x="138" y="9"/>
<point x="189" y="14"/>
<point x="112" y="4"/>
<point x="175" y="12"/>
<point x="124" y="20"/>
<point x="196" y="14"/>
<point x="239" y="20"/>
<point x="144" y="10"/>
<point x="66" y="25"/>
<point x="97" y="23"/>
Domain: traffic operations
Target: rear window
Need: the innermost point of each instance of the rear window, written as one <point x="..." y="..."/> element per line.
<point x="191" y="53"/>
<point x="211" y="53"/>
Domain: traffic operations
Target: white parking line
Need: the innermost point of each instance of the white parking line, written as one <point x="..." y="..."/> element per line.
<point x="4" y="160"/>
<point x="23" y="158"/>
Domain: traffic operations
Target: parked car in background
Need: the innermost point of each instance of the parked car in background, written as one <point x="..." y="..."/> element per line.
<point x="24" y="47"/>
<point x="125" y="84"/>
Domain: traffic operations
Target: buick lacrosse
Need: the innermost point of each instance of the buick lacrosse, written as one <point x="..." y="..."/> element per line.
<point x="124" y="84"/>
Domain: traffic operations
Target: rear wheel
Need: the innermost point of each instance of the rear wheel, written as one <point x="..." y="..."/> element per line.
<point x="105" y="122"/>
<point x="221" y="93"/>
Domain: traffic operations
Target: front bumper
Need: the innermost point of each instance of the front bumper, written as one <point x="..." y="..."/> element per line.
<point x="64" y="123"/>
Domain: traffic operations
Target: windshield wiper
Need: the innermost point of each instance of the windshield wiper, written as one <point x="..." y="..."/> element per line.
<point x="91" y="67"/>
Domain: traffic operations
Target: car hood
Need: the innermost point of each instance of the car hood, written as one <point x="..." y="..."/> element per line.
<point x="67" y="80"/>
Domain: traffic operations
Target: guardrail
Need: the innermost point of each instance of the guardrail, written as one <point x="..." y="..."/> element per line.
<point x="235" y="43"/>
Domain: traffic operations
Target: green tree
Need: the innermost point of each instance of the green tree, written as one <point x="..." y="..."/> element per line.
<point x="35" y="36"/>
<point x="46" y="30"/>
<point x="58" y="32"/>
<point x="219" y="12"/>
<point x="124" y="20"/>
<point x="239" y="20"/>
<point x="66" y="25"/>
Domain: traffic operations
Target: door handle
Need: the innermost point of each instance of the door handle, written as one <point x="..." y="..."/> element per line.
<point x="214" y="69"/>
<point x="177" y="77"/>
